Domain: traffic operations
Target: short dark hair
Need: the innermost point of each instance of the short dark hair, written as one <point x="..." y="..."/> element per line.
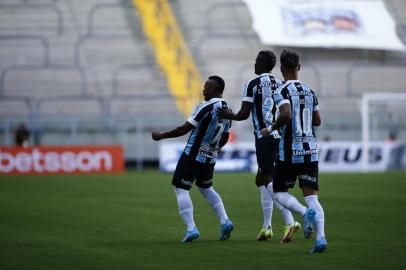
<point x="289" y="60"/>
<point x="220" y="82"/>
<point x="270" y="59"/>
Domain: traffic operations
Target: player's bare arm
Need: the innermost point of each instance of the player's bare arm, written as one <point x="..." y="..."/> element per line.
<point x="243" y="113"/>
<point x="316" y="119"/>
<point x="176" y="132"/>
<point x="285" y="114"/>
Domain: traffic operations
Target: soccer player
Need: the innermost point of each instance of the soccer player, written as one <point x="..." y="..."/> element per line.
<point x="298" y="114"/>
<point x="258" y="98"/>
<point x="209" y="133"/>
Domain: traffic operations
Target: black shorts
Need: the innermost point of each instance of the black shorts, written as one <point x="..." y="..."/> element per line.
<point x="188" y="170"/>
<point x="267" y="154"/>
<point x="286" y="174"/>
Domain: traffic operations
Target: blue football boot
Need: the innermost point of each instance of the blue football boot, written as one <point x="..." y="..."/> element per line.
<point x="226" y="229"/>
<point x="308" y="222"/>
<point x="191" y="235"/>
<point x="319" y="246"/>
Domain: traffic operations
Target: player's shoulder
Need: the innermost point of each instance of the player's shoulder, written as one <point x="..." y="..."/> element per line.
<point x="213" y="103"/>
<point x="220" y="103"/>
<point x="253" y="81"/>
<point x="201" y="106"/>
<point x="284" y="86"/>
<point x="306" y="87"/>
<point x="277" y="80"/>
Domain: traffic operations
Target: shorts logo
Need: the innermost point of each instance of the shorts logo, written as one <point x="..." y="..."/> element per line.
<point x="207" y="182"/>
<point x="186" y="183"/>
<point x="307" y="177"/>
<point x="290" y="182"/>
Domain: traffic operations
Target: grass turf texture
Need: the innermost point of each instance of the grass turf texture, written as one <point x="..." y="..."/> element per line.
<point x="131" y="222"/>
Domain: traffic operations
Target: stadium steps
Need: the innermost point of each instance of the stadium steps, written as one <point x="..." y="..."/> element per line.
<point x="16" y="108"/>
<point x="380" y="79"/>
<point x="172" y="54"/>
<point x="115" y="59"/>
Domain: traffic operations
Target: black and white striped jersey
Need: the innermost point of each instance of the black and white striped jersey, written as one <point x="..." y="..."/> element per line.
<point x="260" y="91"/>
<point x="203" y="142"/>
<point x="298" y="143"/>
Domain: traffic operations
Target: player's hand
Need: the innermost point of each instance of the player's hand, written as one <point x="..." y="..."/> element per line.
<point x="156" y="135"/>
<point x="225" y="113"/>
<point x="265" y="132"/>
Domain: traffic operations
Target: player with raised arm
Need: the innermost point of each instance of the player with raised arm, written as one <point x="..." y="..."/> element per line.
<point x="209" y="133"/>
<point x="298" y="114"/>
<point x="258" y="99"/>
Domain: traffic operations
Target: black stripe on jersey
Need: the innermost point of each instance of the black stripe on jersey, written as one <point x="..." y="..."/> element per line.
<point x="287" y="143"/>
<point x="301" y="105"/>
<point x="202" y="132"/>
<point x="223" y="104"/>
<point x="258" y="108"/>
<point x="250" y="87"/>
<point x="273" y="88"/>
<point x="203" y="112"/>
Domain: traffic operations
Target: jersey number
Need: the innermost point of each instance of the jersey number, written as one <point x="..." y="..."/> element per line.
<point x="268" y="116"/>
<point x="216" y="135"/>
<point x="307" y="122"/>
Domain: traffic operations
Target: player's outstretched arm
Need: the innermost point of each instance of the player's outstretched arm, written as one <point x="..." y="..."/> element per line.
<point x="243" y="114"/>
<point x="316" y="119"/>
<point x="176" y="132"/>
<point x="285" y="114"/>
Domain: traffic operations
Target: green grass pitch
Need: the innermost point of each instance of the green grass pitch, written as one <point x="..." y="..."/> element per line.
<point x="131" y="221"/>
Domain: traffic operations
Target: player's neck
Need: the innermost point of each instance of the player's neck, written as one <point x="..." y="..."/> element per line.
<point x="290" y="76"/>
<point x="263" y="71"/>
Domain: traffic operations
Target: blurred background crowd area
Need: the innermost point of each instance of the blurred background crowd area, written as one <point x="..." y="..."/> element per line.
<point x="98" y="72"/>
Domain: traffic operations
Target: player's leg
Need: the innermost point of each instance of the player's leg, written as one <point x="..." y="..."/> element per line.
<point x="267" y="208"/>
<point x="308" y="181"/>
<point x="182" y="181"/>
<point x="285" y="178"/>
<point x="204" y="182"/>
<point x="267" y="155"/>
<point x="291" y="226"/>
<point x="263" y="178"/>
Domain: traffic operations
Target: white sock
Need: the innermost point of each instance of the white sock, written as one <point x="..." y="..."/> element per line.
<point x="185" y="207"/>
<point x="290" y="202"/>
<point x="313" y="202"/>
<point x="215" y="202"/>
<point x="267" y="206"/>
<point x="286" y="214"/>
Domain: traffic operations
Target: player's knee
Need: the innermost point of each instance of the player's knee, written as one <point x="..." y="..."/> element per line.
<point x="180" y="191"/>
<point x="206" y="191"/>
<point x="263" y="179"/>
<point x="308" y="191"/>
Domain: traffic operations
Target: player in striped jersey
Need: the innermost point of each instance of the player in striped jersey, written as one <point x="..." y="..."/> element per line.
<point x="299" y="112"/>
<point x="208" y="134"/>
<point x="258" y="99"/>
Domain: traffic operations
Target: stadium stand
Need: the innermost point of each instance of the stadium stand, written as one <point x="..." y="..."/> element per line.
<point x="225" y="44"/>
<point x="65" y="61"/>
<point x="91" y="59"/>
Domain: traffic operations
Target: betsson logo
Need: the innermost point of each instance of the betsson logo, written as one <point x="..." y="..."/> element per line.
<point x="51" y="161"/>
